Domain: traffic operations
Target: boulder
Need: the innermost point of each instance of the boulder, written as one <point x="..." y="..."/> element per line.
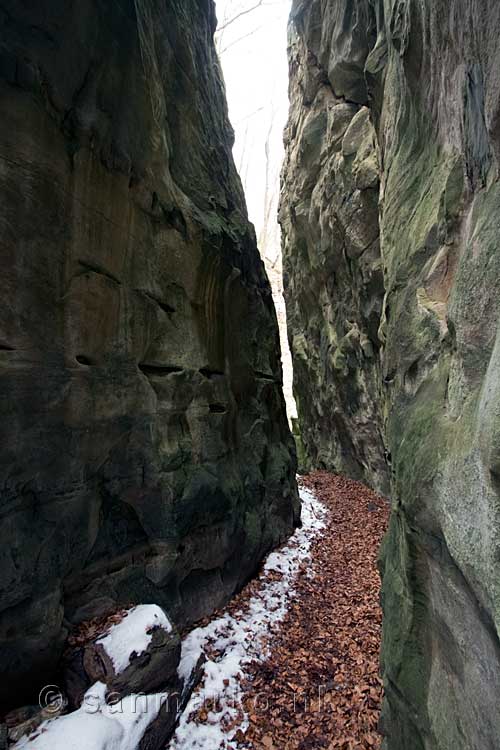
<point x="138" y="654"/>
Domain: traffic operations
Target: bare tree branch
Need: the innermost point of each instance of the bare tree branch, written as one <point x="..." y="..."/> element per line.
<point x="252" y="114"/>
<point x="270" y="189"/>
<point x="257" y="5"/>
<point x="240" y="39"/>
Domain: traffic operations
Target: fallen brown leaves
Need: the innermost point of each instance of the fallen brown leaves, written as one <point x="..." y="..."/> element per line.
<point x="90" y="630"/>
<point x="321" y="688"/>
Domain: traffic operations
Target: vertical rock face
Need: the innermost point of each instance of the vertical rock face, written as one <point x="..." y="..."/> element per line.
<point x="145" y="455"/>
<point x="332" y="264"/>
<point x="428" y="73"/>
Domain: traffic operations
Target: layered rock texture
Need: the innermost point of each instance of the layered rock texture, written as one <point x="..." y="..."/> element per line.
<point x="145" y="455"/>
<point x="332" y="264"/>
<point x="394" y="324"/>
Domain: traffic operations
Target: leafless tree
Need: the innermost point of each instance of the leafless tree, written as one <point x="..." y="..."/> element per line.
<point x="235" y="11"/>
<point x="243" y="11"/>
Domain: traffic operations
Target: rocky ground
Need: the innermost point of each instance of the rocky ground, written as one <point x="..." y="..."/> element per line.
<point x="290" y="664"/>
<point x="313" y="681"/>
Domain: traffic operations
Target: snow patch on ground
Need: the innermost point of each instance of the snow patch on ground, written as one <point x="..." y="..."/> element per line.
<point x="231" y="641"/>
<point x="97" y="726"/>
<point x="133" y="634"/>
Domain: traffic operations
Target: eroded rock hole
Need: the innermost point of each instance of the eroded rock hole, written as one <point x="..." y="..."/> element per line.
<point x="82" y="359"/>
<point x="160" y="370"/>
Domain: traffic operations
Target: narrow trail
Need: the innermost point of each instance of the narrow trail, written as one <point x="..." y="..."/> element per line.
<point x="321" y="682"/>
<point x="292" y="663"/>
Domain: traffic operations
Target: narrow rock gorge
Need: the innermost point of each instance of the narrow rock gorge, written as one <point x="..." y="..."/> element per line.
<point x="147" y="465"/>
<point x="391" y="213"/>
<point x="146" y="455"/>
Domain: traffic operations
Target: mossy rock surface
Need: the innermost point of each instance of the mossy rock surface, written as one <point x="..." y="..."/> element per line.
<point x="426" y="297"/>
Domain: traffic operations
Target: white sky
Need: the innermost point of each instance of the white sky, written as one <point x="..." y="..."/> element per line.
<point x="253" y="55"/>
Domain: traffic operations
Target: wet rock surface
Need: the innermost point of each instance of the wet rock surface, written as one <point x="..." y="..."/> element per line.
<point x="146" y="454"/>
<point x="428" y="74"/>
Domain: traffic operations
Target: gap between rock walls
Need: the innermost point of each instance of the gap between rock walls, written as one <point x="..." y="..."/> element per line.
<point x="166" y="579"/>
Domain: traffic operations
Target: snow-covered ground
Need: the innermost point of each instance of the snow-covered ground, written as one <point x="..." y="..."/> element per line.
<point x="233" y="640"/>
<point x="119" y="725"/>
<point x="229" y="643"/>
<point x="133" y="634"/>
<point x="97" y="725"/>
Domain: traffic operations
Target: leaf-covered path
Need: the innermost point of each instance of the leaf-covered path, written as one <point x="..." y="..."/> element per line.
<point x="321" y="682"/>
<point x="314" y="682"/>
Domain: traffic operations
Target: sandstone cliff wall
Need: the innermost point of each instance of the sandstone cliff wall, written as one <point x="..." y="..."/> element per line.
<point x="145" y="454"/>
<point x="331" y="258"/>
<point x="428" y="73"/>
